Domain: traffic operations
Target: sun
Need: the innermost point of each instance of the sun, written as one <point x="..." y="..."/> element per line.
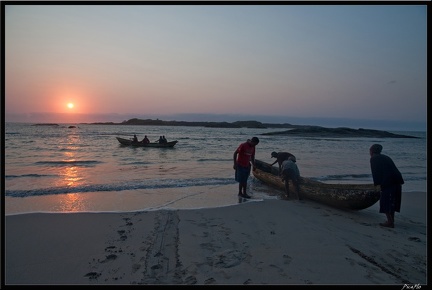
<point x="70" y="105"/>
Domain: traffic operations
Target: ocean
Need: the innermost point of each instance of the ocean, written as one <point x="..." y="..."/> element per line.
<point x="85" y="169"/>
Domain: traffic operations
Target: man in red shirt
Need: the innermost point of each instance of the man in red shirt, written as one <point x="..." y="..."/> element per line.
<point x="243" y="157"/>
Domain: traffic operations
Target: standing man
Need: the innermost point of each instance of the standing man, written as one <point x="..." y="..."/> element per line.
<point x="280" y="157"/>
<point x="386" y="174"/>
<point x="243" y="157"/>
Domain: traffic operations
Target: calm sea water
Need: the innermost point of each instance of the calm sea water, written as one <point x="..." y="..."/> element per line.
<point x="85" y="169"/>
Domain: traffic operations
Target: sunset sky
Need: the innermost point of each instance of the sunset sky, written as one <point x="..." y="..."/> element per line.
<point x="72" y="63"/>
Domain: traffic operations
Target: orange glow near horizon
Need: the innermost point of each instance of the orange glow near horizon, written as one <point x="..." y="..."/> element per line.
<point x="69" y="100"/>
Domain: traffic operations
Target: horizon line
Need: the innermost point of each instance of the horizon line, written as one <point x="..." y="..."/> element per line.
<point x="398" y="125"/>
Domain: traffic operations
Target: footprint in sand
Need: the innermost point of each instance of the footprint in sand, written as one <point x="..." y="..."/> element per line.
<point x="287" y="259"/>
<point x="228" y="258"/>
<point x="123" y="237"/>
<point x="128" y="222"/>
<point x="135" y="267"/>
<point x="207" y="246"/>
<point x="109" y="258"/>
<point x="92" y="275"/>
<point x="210" y="281"/>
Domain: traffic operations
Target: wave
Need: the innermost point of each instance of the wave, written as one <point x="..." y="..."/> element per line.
<point x="70" y="162"/>
<point x="149" y="184"/>
<point x="414" y="178"/>
<point x="138" y="163"/>
<point x="362" y="177"/>
<point x="29" y="175"/>
<point x="343" y="176"/>
<point x="213" y="159"/>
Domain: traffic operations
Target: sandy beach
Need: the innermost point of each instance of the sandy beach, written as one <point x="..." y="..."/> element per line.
<point x="266" y="242"/>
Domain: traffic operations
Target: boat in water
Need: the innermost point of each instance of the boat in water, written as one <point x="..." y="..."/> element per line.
<point x="344" y="196"/>
<point x="129" y="142"/>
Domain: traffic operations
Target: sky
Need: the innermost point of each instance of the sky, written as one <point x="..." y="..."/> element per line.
<point x="282" y="63"/>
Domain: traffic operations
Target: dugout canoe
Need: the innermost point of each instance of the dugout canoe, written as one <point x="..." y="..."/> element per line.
<point x="129" y="142"/>
<point x="344" y="196"/>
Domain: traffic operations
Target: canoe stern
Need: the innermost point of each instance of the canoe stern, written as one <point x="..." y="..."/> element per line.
<point x="348" y="196"/>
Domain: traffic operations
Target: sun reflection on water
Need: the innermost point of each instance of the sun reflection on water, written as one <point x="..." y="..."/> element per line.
<point x="71" y="176"/>
<point x="72" y="202"/>
<point x="71" y="173"/>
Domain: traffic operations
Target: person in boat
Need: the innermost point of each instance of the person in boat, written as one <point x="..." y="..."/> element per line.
<point x="386" y="175"/>
<point x="135" y="138"/>
<point x="145" y="140"/>
<point x="280" y="157"/>
<point x="244" y="157"/>
<point x="291" y="172"/>
<point x="164" y="139"/>
<point x="160" y="140"/>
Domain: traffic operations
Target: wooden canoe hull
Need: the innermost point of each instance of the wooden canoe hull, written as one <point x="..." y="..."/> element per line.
<point x="128" y="142"/>
<point x="346" y="196"/>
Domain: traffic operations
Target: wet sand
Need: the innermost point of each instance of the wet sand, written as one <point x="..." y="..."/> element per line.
<point x="266" y="242"/>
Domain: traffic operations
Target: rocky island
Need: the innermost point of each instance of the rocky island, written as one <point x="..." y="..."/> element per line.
<point x="157" y="122"/>
<point x="294" y="130"/>
<point x="45" y="124"/>
<point x="342" y="132"/>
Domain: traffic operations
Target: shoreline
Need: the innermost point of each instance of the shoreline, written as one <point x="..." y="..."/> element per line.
<point x="271" y="242"/>
<point x="200" y="197"/>
<point x="114" y="202"/>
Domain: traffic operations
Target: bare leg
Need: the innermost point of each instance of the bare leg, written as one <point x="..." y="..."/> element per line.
<point x="389" y="223"/>
<point x="389" y="218"/>
<point x="286" y="186"/>
<point x="243" y="190"/>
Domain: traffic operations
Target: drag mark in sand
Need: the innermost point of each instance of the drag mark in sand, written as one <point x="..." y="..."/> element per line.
<point x="373" y="262"/>
<point x="142" y="257"/>
<point x="164" y="244"/>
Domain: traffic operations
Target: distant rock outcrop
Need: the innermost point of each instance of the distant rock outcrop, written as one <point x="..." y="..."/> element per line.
<point x="317" y="131"/>
<point x="294" y="130"/>
<point x="45" y="124"/>
<point x="157" y="122"/>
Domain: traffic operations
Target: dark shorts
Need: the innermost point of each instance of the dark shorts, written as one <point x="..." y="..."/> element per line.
<point x="290" y="174"/>
<point x="242" y="174"/>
